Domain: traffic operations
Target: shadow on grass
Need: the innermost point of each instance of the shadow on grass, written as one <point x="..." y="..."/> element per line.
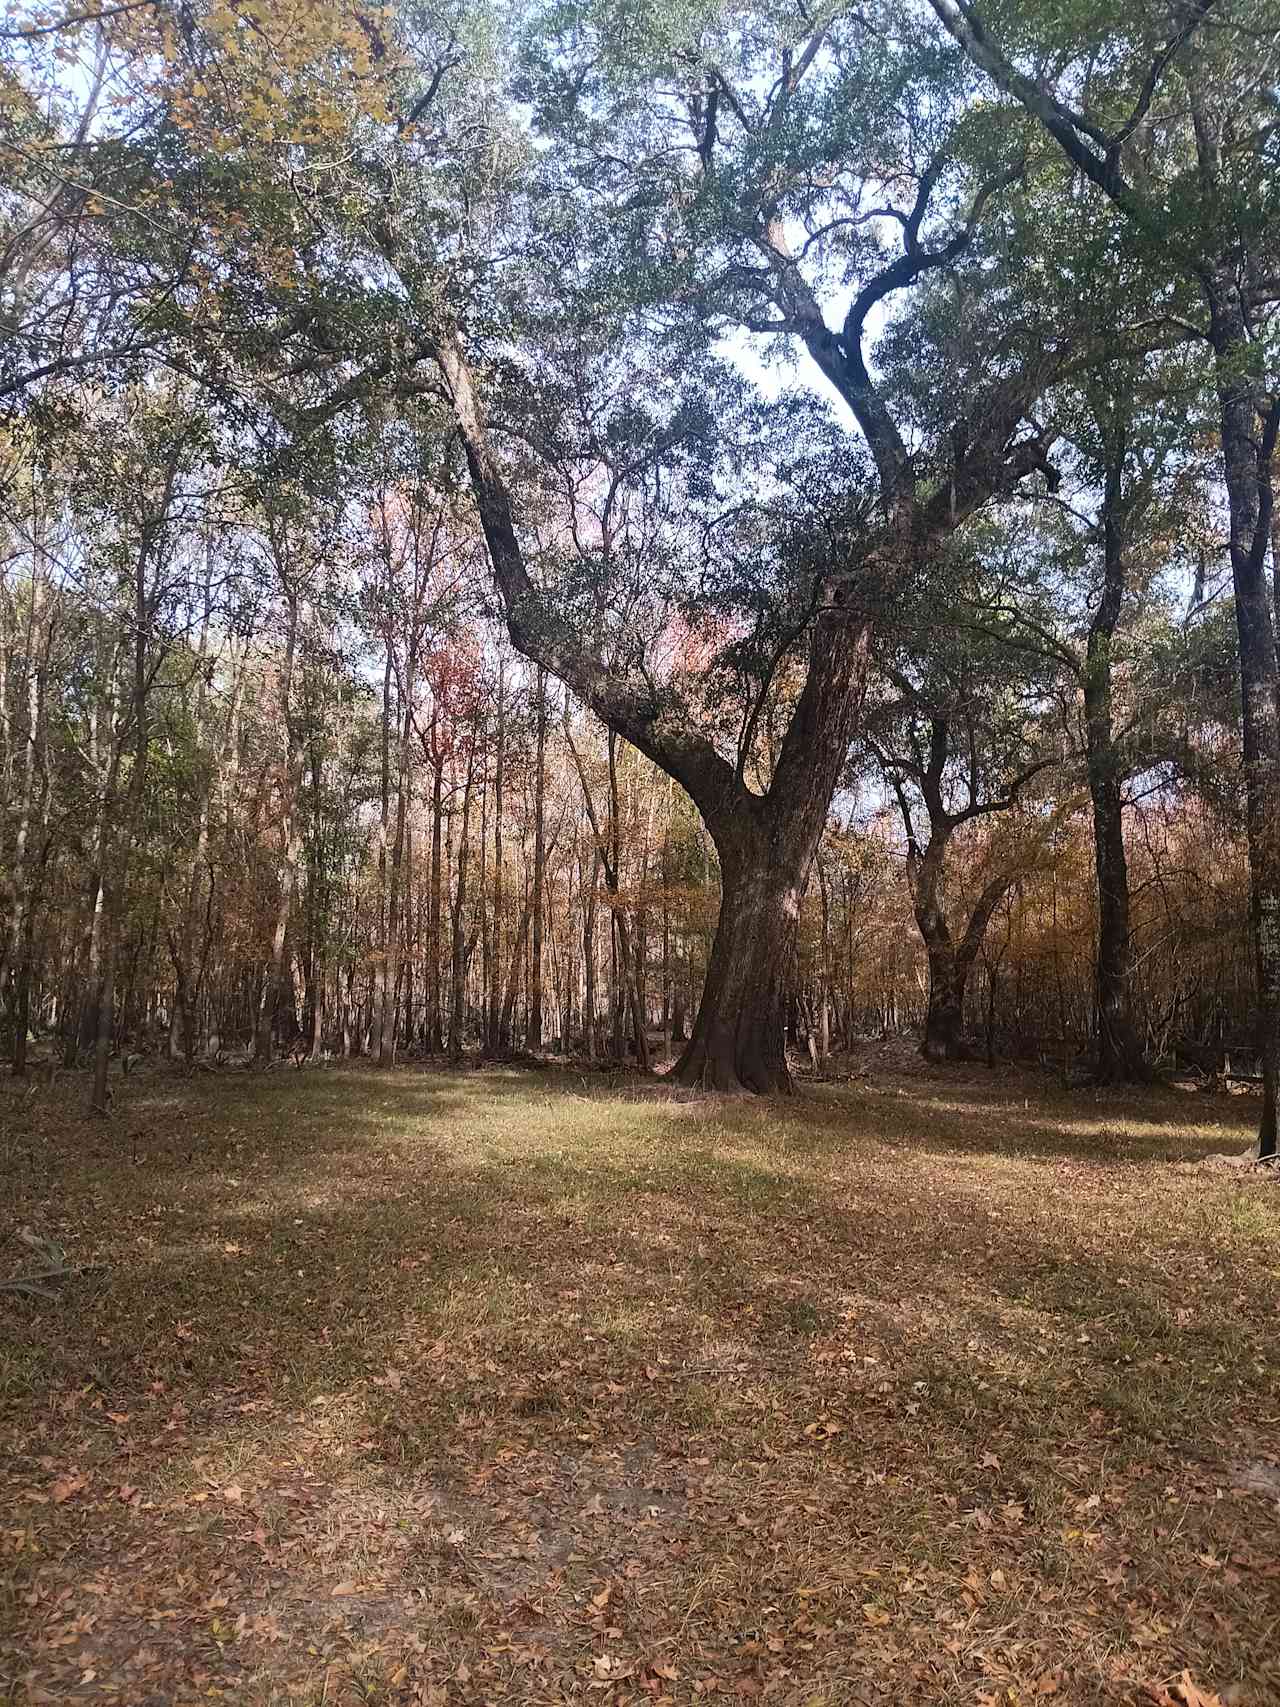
<point x="338" y="1216"/>
<point x="342" y="1306"/>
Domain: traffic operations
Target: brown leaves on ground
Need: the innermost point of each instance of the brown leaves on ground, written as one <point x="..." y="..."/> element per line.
<point x="477" y="1389"/>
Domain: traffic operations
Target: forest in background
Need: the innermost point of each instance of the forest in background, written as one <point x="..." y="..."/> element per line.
<point x="437" y="613"/>
<point x="368" y="826"/>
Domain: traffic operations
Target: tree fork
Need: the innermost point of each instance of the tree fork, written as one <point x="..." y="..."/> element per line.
<point x="765" y="842"/>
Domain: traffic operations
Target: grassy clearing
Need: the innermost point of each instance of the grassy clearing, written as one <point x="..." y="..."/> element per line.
<point x="496" y="1387"/>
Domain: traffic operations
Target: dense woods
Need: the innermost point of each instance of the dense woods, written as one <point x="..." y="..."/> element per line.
<point x="365" y="826"/>
<point x="679" y="544"/>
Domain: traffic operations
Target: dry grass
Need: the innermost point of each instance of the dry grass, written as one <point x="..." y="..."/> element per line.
<point x="495" y="1388"/>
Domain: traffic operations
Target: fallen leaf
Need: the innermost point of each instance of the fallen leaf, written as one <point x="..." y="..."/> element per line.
<point x="1193" y="1695"/>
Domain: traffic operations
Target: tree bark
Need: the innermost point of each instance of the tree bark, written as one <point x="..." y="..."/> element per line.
<point x="290" y="845"/>
<point x="435" y="1014"/>
<point x="381" y="997"/>
<point x="738" y="1037"/>
<point x="395" y="880"/>
<point x="589" y="890"/>
<point x="499" y="866"/>
<point x="459" y="955"/>
<point x="534" y="1038"/>
<point x="944" y="1038"/>
<point x="1120" y="1056"/>
<point x="22" y="921"/>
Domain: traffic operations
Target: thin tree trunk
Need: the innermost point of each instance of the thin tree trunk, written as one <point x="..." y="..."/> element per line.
<point x="1221" y="271"/>
<point x="1247" y="471"/>
<point x="459" y="957"/>
<point x="499" y="873"/>
<point x="290" y="845"/>
<point x="534" y="1037"/>
<point x="435" y="1031"/>
<point x="507" y="1020"/>
<point x="1120" y="1054"/>
<point x="589" y="957"/>
<point x="115" y="897"/>
<point x="383" y="995"/>
<point x="387" y="1038"/>
<point x="21" y="920"/>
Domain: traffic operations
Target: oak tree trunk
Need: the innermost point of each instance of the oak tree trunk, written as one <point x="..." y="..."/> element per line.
<point x="738" y="1037"/>
<point x="944" y="1038"/>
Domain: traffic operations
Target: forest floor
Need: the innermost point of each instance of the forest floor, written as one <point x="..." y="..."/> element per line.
<point x="506" y="1386"/>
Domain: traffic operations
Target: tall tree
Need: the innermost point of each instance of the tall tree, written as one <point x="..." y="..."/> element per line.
<point x="1171" y="119"/>
<point x="968" y="728"/>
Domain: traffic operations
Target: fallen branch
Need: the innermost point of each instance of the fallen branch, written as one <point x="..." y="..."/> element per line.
<point x="43" y="1282"/>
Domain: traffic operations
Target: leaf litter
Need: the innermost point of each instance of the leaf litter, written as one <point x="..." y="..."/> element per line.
<point x="419" y="1388"/>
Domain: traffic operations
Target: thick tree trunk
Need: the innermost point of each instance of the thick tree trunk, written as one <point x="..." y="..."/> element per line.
<point x="944" y="1037"/>
<point x="738" y="1038"/>
<point x="952" y="959"/>
<point x="766" y="845"/>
